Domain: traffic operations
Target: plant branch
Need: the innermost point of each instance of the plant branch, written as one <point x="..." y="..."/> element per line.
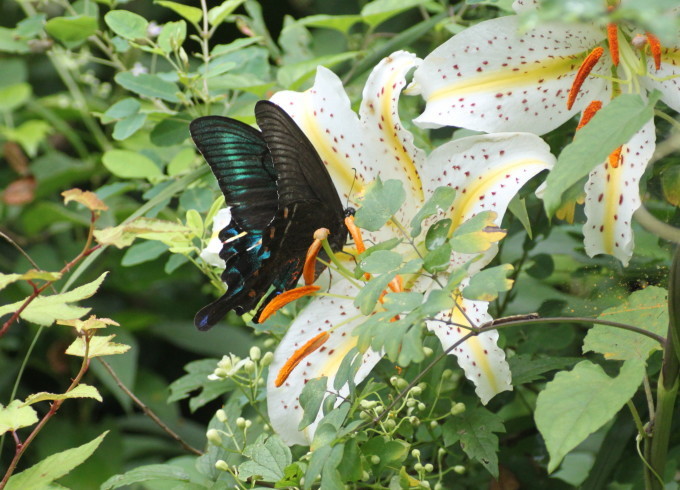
<point x="650" y="223"/>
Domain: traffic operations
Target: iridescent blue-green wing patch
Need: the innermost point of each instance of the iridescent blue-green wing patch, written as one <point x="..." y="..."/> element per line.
<point x="241" y="162"/>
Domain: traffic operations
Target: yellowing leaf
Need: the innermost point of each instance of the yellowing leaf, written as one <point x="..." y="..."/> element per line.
<point x="80" y="391"/>
<point x="477" y="234"/>
<point x="91" y="323"/>
<point x="86" y="198"/>
<point x="122" y="236"/>
<point x="99" y="346"/>
<point x="15" y="416"/>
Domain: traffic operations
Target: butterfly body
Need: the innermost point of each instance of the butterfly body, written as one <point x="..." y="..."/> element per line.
<point x="279" y="192"/>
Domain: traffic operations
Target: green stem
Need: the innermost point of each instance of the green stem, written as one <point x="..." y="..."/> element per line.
<point x="653" y="225"/>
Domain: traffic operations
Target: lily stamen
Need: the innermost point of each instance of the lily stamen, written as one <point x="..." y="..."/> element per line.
<point x="309" y="347"/>
<point x="615" y="157"/>
<point x="309" y="269"/>
<point x="583" y="72"/>
<point x="588" y="113"/>
<point x="655" y="49"/>
<point x="613" y="37"/>
<point x="284" y="298"/>
<point x="356" y="234"/>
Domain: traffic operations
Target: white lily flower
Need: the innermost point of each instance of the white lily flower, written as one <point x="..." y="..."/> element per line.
<point x="211" y="253"/>
<point x="485" y="170"/>
<point x="494" y="76"/>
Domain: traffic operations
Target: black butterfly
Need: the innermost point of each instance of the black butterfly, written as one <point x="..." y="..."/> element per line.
<point x="280" y="193"/>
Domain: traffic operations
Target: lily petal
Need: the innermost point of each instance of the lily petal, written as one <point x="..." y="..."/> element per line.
<point x="322" y="314"/>
<point x="395" y="152"/>
<point x="486" y="171"/>
<point x="669" y="73"/>
<point x="480" y="357"/>
<point x="492" y="77"/>
<point x="612" y="196"/>
<point x="325" y="116"/>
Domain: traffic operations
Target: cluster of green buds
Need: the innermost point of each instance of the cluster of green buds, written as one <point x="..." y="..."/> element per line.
<point x="233" y="367"/>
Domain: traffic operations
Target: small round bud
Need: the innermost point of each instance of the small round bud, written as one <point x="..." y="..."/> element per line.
<point x="266" y="428"/>
<point x="364" y="476"/>
<point x="240" y="422"/>
<point x="389" y="424"/>
<point x="422" y="386"/>
<point x="267" y="359"/>
<point x="221" y="415"/>
<point x="415" y="421"/>
<point x="429" y="468"/>
<point x="410" y="402"/>
<point x="447" y="373"/>
<point x="459" y="468"/>
<point x="402" y="384"/>
<point x="222" y="465"/>
<point x="260" y="382"/>
<point x="434" y="424"/>
<point x="255" y="353"/>
<point x="249" y="366"/>
<point x="214" y="437"/>
<point x="416" y="391"/>
<point x="375" y="459"/>
<point x="457" y="408"/>
<point x="393" y="380"/>
<point x="367" y="404"/>
<point x="379" y="409"/>
<point x="248" y="423"/>
<point x="418" y="467"/>
<point x="428" y="352"/>
<point x="438" y="486"/>
<point x="364" y="415"/>
<point x="425" y="484"/>
<point x="441" y="452"/>
<point x="421" y="406"/>
<point x="416" y="453"/>
<point x="269" y="342"/>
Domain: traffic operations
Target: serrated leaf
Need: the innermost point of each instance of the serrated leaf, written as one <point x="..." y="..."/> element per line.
<point x="15" y="416"/>
<point x="475" y="430"/>
<point x="382" y="200"/>
<point x="45" y="310"/>
<point x="92" y="323"/>
<point x="6" y="279"/>
<point x="127" y="24"/>
<point x="441" y="200"/>
<point x="52" y="467"/>
<point x="81" y="391"/>
<point x="611" y="127"/>
<point x="486" y="284"/>
<point x="577" y="403"/>
<point x="647" y="309"/>
<point x="310" y="400"/>
<point x="163" y="473"/>
<point x="86" y="198"/>
<point x="192" y="14"/>
<point x="269" y="457"/>
<point x="122" y="236"/>
<point x="477" y="234"/>
<point x="525" y="368"/>
<point x="130" y="165"/>
<point x="148" y="85"/>
<point x="99" y="346"/>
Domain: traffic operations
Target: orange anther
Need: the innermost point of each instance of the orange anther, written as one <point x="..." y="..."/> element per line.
<point x="309" y="269"/>
<point x="588" y="113"/>
<point x="397" y="284"/>
<point x="613" y="36"/>
<point x="615" y="157"/>
<point x="583" y="72"/>
<point x="655" y="48"/>
<point x="298" y="356"/>
<point x="284" y="298"/>
<point x="356" y="234"/>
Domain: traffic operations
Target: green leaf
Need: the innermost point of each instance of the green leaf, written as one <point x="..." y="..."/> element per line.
<point x="476" y="234"/>
<point x="130" y="164"/>
<point x="71" y="31"/>
<point x="6" y="279"/>
<point x="148" y="85"/>
<point x="123" y="108"/>
<point x="316" y="464"/>
<point x="437" y="234"/>
<point x="40" y="475"/>
<point x="379" y="11"/>
<point x="172" y="36"/>
<point x="11" y="43"/>
<point x="381" y="261"/>
<point x="611" y="127"/>
<point x="369" y="294"/>
<point x="438" y="260"/>
<point x="29" y="135"/>
<point x="15" y="416"/>
<point x="475" y="431"/>
<point x="391" y="452"/>
<point x="99" y="346"/>
<point x="310" y="400"/>
<point x="647" y="309"/>
<point x="518" y="208"/>
<point x="670" y="183"/>
<point x="293" y="75"/>
<point x="152" y="472"/>
<point x="143" y="252"/>
<point x="216" y="15"/>
<point x="128" y="126"/>
<point x="171" y="131"/>
<point x="81" y="391"/>
<point x="525" y="368"/>
<point x="382" y="200"/>
<point x="402" y="302"/>
<point x="486" y="284"/>
<point x="14" y="96"/>
<point x="577" y="403"/>
<point x="123" y="235"/>
<point x="127" y="24"/>
<point x="341" y="23"/>
<point x="441" y="200"/>
<point x="542" y="267"/>
<point x="192" y="14"/>
<point x="269" y="457"/>
<point x="45" y="310"/>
